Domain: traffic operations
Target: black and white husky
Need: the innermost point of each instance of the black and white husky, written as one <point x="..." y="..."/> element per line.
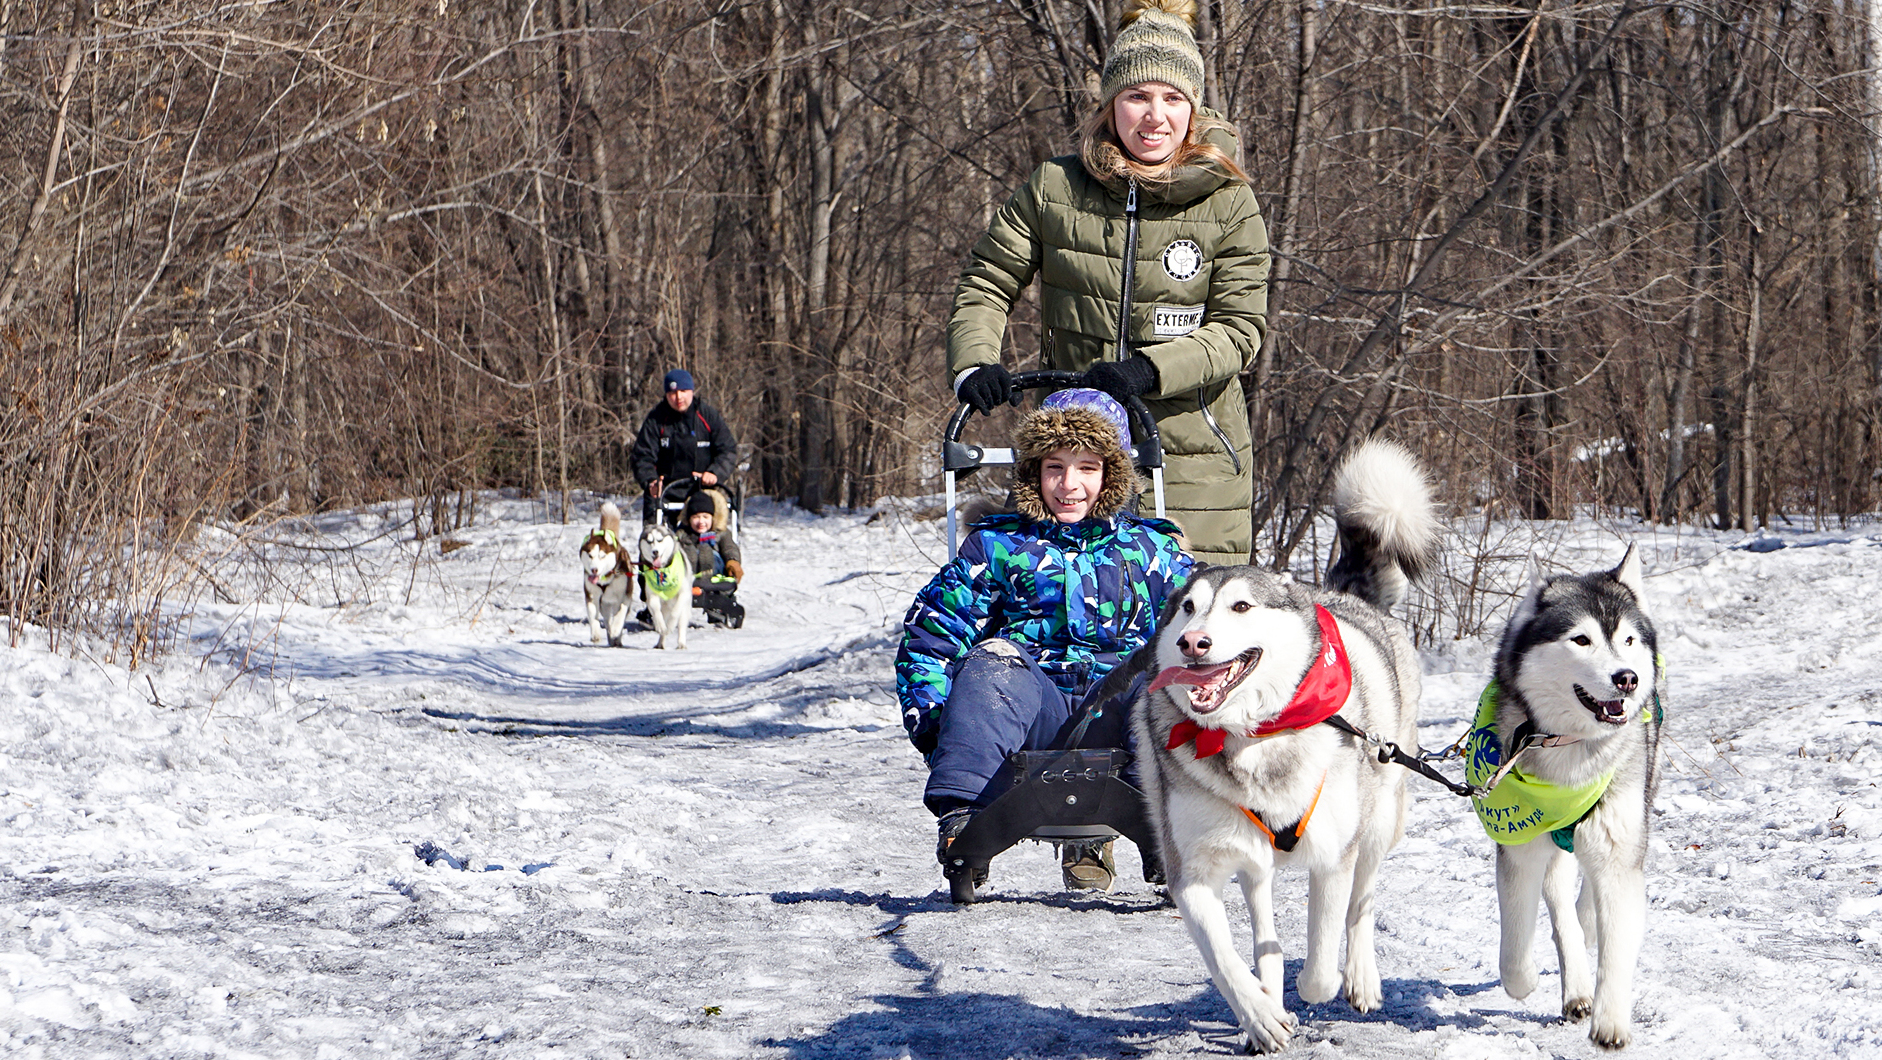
<point x="666" y="583"/>
<point x="1572" y="724"/>
<point x="607" y="577"/>
<point x="1244" y="765"/>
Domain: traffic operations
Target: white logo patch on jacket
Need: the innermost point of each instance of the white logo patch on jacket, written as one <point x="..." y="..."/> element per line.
<point x="1170" y="321"/>
<point x="1182" y="259"/>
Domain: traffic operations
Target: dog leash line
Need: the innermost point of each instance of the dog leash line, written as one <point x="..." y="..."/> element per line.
<point x="1389" y="753"/>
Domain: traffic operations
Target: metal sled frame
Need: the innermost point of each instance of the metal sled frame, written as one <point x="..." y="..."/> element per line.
<point x="1057" y="795"/>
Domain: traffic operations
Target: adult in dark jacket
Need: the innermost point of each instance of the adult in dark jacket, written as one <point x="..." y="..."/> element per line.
<point x="683" y="437"/>
<point x="1200" y="300"/>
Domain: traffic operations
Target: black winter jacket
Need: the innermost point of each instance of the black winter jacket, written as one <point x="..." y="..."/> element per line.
<point x="672" y="445"/>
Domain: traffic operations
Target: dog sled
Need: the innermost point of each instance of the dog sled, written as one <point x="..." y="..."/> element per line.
<point x="1073" y="793"/>
<point x="715" y="594"/>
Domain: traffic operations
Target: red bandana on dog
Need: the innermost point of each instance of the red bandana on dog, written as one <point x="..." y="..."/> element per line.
<point x="1320" y="696"/>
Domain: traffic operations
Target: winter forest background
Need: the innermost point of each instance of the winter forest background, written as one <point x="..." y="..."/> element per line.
<point x="262" y="259"/>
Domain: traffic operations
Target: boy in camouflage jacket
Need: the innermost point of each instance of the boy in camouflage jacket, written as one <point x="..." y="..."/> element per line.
<point x="1000" y="649"/>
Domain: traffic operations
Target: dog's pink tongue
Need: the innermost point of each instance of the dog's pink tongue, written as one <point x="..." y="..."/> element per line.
<point x="1184" y="675"/>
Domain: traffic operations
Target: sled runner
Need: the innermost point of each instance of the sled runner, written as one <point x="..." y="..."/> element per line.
<point x="1073" y="793"/>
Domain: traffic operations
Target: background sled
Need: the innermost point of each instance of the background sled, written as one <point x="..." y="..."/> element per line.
<point x="716" y="595"/>
<point x="1067" y="794"/>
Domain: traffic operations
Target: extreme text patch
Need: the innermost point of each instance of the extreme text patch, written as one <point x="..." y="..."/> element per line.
<point x="1168" y="321"/>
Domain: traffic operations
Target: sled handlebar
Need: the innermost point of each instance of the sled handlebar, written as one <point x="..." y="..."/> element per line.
<point x="1146" y="450"/>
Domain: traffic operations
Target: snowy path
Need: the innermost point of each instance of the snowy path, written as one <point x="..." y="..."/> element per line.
<point x="722" y="853"/>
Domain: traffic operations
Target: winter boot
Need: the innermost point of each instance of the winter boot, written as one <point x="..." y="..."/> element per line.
<point x="952" y="824"/>
<point x="1086" y="865"/>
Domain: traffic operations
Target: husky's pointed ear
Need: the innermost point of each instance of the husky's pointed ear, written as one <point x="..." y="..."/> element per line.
<point x="1628" y="574"/>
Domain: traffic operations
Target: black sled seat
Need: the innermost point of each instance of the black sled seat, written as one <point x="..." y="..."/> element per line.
<point x="1057" y="796"/>
<point x="1067" y="794"/>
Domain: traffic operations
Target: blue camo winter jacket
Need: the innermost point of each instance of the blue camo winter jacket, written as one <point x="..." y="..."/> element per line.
<point x="1079" y="597"/>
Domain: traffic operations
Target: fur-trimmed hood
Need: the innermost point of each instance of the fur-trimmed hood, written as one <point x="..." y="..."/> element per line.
<point x="1049" y="430"/>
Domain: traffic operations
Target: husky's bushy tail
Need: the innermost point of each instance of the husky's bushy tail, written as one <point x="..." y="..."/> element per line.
<point x="1388" y="533"/>
<point x="611" y="518"/>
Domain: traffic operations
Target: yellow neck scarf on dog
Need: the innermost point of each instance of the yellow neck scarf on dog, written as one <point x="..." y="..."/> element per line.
<point x="664" y="582"/>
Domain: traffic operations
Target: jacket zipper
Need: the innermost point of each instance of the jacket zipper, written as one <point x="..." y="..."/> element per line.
<point x="1122" y="352"/>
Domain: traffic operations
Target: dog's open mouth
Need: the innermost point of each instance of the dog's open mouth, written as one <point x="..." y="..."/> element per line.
<point x="1209" y="685"/>
<point x="1611" y="711"/>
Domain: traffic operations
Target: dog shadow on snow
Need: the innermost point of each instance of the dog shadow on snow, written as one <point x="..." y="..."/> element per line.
<point x="945" y="1017"/>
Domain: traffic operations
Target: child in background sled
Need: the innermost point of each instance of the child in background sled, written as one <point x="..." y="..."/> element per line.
<point x="706" y="536"/>
<point x="1001" y="648"/>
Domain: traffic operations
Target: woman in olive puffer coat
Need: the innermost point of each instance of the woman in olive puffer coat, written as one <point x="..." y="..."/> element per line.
<point x="1200" y="300"/>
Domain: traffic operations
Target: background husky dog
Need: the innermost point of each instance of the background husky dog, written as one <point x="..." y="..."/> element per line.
<point x="607" y="578"/>
<point x="1578" y="667"/>
<point x="666" y="583"/>
<point x="1241" y="650"/>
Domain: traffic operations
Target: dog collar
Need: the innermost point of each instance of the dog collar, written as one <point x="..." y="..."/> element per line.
<point x="1320" y="696"/>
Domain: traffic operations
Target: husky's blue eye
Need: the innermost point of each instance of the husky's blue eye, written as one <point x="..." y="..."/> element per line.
<point x="1580" y="639"/>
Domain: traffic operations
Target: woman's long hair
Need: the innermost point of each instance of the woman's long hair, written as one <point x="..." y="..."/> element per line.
<point x="1102" y="151"/>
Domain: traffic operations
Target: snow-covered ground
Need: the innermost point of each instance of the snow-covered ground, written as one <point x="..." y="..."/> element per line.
<point x="389" y="801"/>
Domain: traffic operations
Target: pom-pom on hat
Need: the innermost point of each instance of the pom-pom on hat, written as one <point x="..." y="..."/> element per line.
<point x="679" y="379"/>
<point x="1156" y="41"/>
<point x="1089" y="421"/>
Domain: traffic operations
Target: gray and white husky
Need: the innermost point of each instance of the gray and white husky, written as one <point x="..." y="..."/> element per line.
<point x="607" y="577"/>
<point x="1576" y="702"/>
<point x="666" y="583"/>
<point x="1240" y="775"/>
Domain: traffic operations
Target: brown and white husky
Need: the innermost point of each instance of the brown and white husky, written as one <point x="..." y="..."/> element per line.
<point x="607" y="577"/>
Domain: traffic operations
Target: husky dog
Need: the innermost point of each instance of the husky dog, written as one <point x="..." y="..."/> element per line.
<point x="1570" y="731"/>
<point x="1239" y="775"/>
<point x="607" y="583"/>
<point x="666" y="582"/>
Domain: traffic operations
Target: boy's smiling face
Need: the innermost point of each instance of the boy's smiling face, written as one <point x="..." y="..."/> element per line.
<point x="1069" y="481"/>
<point x="700" y="522"/>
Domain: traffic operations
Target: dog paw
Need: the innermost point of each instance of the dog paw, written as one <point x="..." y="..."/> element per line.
<point x="1365" y="997"/>
<point x="1268" y="1039"/>
<point x="1611" y="1035"/>
<point x="1576" y="1009"/>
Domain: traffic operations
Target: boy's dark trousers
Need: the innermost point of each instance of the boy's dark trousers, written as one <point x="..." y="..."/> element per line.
<point x="1001" y="702"/>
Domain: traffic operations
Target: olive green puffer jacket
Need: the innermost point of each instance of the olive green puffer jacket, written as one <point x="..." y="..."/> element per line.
<point x="1198" y="313"/>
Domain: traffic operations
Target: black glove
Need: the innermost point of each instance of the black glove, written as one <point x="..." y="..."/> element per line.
<point x="1123" y="380"/>
<point x="987" y="388"/>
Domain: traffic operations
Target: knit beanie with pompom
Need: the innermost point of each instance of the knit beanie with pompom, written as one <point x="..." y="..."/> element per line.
<point x="1156" y="41"/>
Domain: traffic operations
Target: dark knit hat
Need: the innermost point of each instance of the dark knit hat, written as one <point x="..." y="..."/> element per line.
<point x="1080" y="424"/>
<point x="1156" y="41"/>
<point x="679" y="379"/>
<point x="700" y="501"/>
